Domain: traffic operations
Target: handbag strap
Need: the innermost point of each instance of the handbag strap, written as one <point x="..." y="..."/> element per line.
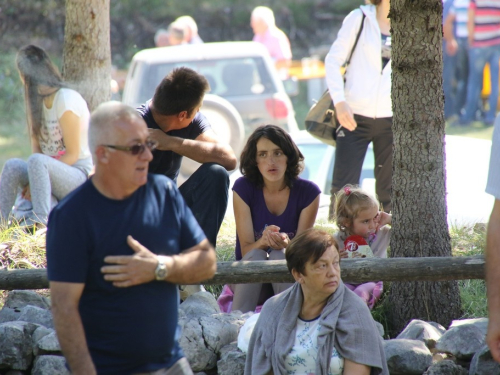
<point x="356" y="41"/>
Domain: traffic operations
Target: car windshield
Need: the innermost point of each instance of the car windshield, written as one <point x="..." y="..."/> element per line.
<point x="227" y="77"/>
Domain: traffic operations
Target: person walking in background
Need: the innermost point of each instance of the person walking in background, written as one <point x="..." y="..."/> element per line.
<point x="267" y="33"/>
<point x="363" y="103"/>
<point x="161" y="38"/>
<point x="493" y="247"/>
<point x="455" y="56"/>
<point x="57" y="122"/>
<point x="116" y="247"/>
<point x="484" y="47"/>
<point x="190" y="29"/>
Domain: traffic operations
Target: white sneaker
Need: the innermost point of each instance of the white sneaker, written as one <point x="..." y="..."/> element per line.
<point x="187" y="290"/>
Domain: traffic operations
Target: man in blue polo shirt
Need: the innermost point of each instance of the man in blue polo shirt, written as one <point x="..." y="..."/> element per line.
<point x="116" y="248"/>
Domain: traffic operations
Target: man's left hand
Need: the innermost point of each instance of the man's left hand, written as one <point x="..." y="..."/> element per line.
<point x="129" y="270"/>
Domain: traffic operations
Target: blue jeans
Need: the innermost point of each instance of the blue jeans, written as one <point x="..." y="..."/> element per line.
<point x="455" y="74"/>
<point x="206" y="193"/>
<point x="478" y="57"/>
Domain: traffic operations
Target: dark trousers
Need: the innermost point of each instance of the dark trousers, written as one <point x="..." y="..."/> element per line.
<point x="350" y="154"/>
<point x="206" y="193"/>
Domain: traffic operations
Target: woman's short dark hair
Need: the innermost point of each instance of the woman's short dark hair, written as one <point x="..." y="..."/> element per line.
<point x="182" y="89"/>
<point x="375" y="2"/>
<point x="248" y="160"/>
<point x="310" y="245"/>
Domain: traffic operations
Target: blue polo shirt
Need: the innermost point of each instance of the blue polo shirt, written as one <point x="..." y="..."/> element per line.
<point x="128" y="330"/>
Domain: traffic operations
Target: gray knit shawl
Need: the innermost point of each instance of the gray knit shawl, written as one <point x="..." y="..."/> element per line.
<point x="346" y="324"/>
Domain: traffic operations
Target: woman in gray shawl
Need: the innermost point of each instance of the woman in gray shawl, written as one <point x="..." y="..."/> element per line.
<point x="318" y="326"/>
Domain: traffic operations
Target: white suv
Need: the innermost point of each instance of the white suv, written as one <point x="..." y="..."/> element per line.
<point x="243" y="73"/>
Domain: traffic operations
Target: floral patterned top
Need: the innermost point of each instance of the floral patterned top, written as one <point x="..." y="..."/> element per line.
<point x="302" y="358"/>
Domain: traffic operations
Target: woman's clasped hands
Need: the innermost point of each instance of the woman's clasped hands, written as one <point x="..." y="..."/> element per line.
<point x="274" y="239"/>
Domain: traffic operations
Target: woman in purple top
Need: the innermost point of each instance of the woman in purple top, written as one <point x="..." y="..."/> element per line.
<point x="271" y="205"/>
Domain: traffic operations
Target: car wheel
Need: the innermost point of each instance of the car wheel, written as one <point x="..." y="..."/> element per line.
<point x="226" y="123"/>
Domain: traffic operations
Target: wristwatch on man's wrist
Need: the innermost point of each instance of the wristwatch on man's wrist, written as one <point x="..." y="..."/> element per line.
<point x="161" y="271"/>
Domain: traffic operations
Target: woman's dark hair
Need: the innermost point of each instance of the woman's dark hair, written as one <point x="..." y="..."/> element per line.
<point x="35" y="69"/>
<point x="248" y="160"/>
<point x="375" y="2"/>
<point x="310" y="245"/>
<point x="182" y="89"/>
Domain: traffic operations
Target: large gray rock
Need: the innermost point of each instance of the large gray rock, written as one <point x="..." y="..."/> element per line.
<point x="422" y="331"/>
<point x="50" y="364"/>
<point x="9" y="315"/>
<point x="39" y="333"/>
<point x="15" y="345"/>
<point x="48" y="344"/>
<point x="200" y="304"/>
<point x="462" y="341"/>
<point x="483" y="363"/>
<point x="446" y="367"/>
<point x="481" y="323"/>
<point x="192" y="342"/>
<point x="220" y="330"/>
<point x="21" y="298"/>
<point x="232" y="361"/>
<point x="407" y="357"/>
<point x="36" y="315"/>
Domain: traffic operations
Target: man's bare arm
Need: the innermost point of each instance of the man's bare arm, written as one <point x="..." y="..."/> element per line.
<point x="193" y="265"/>
<point x="493" y="280"/>
<point x="69" y="328"/>
<point x="204" y="149"/>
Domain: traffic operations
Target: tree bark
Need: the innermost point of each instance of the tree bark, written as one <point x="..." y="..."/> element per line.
<point x="420" y="227"/>
<point x="87" y="52"/>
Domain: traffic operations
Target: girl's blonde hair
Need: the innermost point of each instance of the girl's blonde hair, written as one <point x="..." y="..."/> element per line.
<point x="349" y="202"/>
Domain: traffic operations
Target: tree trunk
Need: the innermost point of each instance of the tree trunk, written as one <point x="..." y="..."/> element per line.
<point x="420" y="227"/>
<point x="87" y="53"/>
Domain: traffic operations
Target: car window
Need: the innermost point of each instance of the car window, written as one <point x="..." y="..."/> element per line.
<point x="227" y="77"/>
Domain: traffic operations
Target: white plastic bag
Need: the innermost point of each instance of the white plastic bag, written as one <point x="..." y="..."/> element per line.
<point x="246" y="332"/>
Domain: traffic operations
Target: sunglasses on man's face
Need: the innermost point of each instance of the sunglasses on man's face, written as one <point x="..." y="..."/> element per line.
<point x="136" y="149"/>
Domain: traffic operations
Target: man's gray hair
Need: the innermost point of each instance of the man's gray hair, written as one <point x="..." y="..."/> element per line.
<point x="266" y="14"/>
<point x="103" y="118"/>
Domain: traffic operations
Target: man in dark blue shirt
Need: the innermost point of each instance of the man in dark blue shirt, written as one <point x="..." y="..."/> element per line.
<point x="116" y="248"/>
<point x="181" y="130"/>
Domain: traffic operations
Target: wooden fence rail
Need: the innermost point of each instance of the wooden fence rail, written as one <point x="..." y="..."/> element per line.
<point x="353" y="270"/>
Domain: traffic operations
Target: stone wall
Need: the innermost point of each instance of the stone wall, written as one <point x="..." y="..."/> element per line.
<point x="28" y="342"/>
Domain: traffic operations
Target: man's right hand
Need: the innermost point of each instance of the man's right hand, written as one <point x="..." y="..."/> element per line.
<point x="162" y="138"/>
<point x="345" y="116"/>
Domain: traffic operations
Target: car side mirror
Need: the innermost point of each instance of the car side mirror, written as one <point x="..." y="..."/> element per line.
<point x="291" y="86"/>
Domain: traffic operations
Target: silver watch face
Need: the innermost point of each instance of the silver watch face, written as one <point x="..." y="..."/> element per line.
<point x="160" y="273"/>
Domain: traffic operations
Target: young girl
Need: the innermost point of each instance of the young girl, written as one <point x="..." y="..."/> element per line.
<point x="357" y="213"/>
<point x="58" y="123"/>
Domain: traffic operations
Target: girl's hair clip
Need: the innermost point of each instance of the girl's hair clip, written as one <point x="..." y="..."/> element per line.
<point x="347" y="190"/>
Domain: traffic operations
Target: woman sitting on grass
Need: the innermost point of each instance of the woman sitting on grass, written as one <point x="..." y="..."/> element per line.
<point x="57" y="122"/>
<point x="318" y="326"/>
<point x="271" y="205"/>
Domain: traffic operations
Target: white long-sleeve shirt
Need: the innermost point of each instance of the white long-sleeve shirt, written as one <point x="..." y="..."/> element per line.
<point x="368" y="86"/>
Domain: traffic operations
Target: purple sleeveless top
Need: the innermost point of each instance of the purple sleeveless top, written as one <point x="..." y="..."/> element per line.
<point x="302" y="195"/>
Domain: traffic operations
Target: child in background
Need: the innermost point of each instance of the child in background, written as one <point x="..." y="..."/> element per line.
<point x="357" y="214"/>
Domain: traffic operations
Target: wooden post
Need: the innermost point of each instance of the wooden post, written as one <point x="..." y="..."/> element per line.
<point x="353" y="270"/>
